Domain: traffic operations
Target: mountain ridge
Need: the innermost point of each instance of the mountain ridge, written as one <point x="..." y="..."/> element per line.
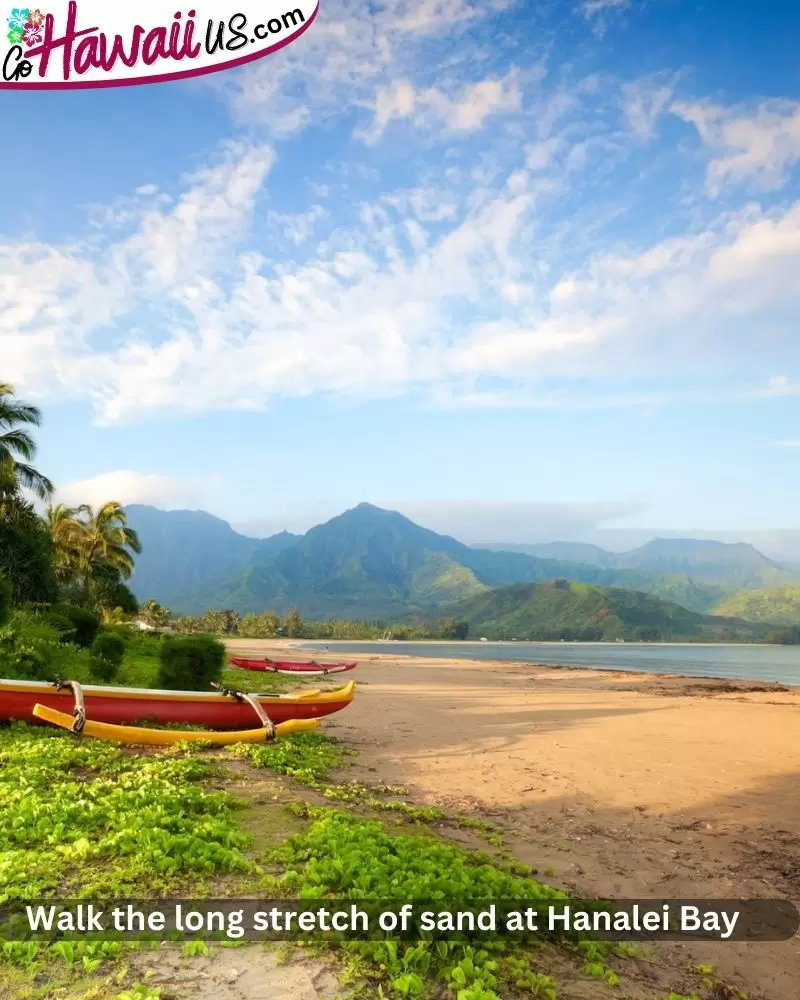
<point x="704" y="560"/>
<point x="563" y="609"/>
<point x="368" y="562"/>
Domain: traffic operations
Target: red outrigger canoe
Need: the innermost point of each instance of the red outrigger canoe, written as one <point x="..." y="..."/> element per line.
<point x="126" y="706"/>
<point x="308" y="668"/>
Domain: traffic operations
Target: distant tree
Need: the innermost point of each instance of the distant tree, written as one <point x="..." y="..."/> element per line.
<point x="67" y="533"/>
<point x="153" y="614"/>
<point x="294" y="625"/>
<point x="108" y="593"/>
<point x="789" y="636"/>
<point x="461" y="628"/>
<point x="647" y="633"/>
<point x="190" y="625"/>
<point x="107" y="541"/>
<point x="263" y="626"/>
<point x="452" y="628"/>
<point x="230" y="621"/>
<point x="447" y="628"/>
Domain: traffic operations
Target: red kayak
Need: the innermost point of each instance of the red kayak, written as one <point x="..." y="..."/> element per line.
<point x="126" y="706"/>
<point x="307" y="669"/>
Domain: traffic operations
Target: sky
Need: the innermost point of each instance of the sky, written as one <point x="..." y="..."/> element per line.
<point x="521" y="270"/>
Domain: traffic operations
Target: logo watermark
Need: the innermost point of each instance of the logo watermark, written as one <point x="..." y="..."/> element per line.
<point x="73" y="45"/>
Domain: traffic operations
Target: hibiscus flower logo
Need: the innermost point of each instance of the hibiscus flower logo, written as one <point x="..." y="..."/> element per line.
<point x="19" y="18"/>
<point x="33" y="34"/>
<point x="25" y="25"/>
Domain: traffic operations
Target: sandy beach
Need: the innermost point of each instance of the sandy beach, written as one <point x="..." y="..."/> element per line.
<point x="620" y="784"/>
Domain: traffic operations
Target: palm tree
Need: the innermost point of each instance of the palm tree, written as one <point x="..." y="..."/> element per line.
<point x="17" y="447"/>
<point x="105" y="540"/>
<point x="68" y="533"/>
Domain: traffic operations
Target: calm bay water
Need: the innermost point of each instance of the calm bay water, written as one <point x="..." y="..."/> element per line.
<point x="743" y="662"/>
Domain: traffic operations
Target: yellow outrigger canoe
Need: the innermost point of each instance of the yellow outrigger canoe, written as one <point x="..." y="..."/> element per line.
<point x="139" y="736"/>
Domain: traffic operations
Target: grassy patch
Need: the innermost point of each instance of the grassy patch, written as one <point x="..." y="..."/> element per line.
<point x="342" y="855"/>
<point x="310" y="758"/>
<point x="92" y="820"/>
<point x="87" y="820"/>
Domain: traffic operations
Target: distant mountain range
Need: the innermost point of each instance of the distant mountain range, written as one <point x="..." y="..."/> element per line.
<point x="723" y="563"/>
<point x="562" y="609"/>
<point x="776" y="605"/>
<point x="371" y="563"/>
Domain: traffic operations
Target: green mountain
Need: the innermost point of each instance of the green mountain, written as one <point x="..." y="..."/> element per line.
<point x="183" y="550"/>
<point x="776" y="605"/>
<point x="366" y="562"/>
<point x="720" y="564"/>
<point x="373" y="563"/>
<point x="579" y="552"/>
<point x="563" y="609"/>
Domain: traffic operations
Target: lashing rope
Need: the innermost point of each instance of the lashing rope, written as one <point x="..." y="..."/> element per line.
<point x="255" y="704"/>
<point x="79" y="711"/>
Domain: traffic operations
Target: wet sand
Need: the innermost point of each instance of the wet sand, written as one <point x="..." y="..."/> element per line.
<point x="622" y="784"/>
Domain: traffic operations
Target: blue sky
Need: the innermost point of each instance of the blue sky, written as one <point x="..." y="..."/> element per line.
<point x="517" y="269"/>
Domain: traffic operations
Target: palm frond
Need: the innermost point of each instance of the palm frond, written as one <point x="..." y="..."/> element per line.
<point x="17" y="441"/>
<point x="33" y="480"/>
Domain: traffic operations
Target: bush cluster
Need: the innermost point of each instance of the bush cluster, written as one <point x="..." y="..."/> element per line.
<point x="190" y="663"/>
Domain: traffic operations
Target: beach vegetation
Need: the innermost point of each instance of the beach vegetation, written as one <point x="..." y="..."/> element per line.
<point x="190" y="663"/>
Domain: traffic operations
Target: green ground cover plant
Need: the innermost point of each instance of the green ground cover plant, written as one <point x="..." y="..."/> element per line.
<point x="86" y="820"/>
<point x="343" y="855"/>
<point x="93" y="820"/>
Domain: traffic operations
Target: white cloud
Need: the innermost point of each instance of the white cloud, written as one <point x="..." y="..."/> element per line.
<point x="175" y="244"/>
<point x="128" y="487"/>
<point x="644" y="102"/>
<point x="464" y="111"/>
<point x="598" y="12"/>
<point x="505" y="521"/>
<point x="410" y="299"/>
<point x="354" y="49"/>
<point x="491" y="276"/>
<point x="780" y="385"/>
<point x="592" y="7"/>
<point x="759" y="146"/>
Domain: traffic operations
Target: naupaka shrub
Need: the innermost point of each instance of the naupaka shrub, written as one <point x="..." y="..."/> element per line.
<point x="190" y="663"/>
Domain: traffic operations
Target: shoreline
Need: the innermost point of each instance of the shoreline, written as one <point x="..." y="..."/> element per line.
<point x="395" y="652"/>
<point x="612" y="783"/>
<point x="524" y="642"/>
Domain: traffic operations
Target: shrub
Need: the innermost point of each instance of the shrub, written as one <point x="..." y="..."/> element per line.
<point x="26" y="561"/>
<point x="190" y="662"/>
<point x="85" y="623"/>
<point x="5" y="600"/>
<point x="107" y="652"/>
<point x="31" y="649"/>
<point x="789" y="636"/>
<point x="62" y="624"/>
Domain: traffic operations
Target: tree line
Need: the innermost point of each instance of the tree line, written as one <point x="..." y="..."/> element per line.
<point x="75" y="556"/>
<point x="270" y="625"/>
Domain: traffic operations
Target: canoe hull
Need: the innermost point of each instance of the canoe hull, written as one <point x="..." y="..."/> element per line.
<point x="127" y="706"/>
<point x="169" y="737"/>
<point x="307" y="669"/>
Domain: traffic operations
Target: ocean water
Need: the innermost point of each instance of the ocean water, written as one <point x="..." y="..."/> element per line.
<point x="741" y="662"/>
